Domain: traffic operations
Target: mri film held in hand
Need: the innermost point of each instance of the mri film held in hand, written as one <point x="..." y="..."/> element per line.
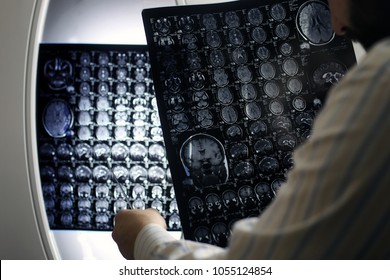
<point x="238" y="90"/>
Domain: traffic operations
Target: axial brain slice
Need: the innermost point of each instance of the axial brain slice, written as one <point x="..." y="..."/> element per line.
<point x="314" y="23"/>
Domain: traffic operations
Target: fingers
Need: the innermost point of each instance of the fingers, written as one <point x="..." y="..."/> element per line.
<point x="129" y="223"/>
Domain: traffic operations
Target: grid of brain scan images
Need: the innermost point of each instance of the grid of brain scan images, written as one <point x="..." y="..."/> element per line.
<point x="238" y="86"/>
<point x="100" y="141"/>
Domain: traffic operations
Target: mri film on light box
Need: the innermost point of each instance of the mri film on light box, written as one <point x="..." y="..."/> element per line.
<point x="99" y="136"/>
<point x="238" y="86"/>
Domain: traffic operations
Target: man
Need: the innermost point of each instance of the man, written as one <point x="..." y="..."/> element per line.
<point x="334" y="204"/>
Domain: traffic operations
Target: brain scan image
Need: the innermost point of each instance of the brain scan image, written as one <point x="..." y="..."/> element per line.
<point x="294" y="85"/>
<point x="253" y="110"/>
<point x="213" y="39"/>
<point x="220" y="233"/>
<point x="174" y="222"/>
<point x="203" y="235"/>
<point x="259" y="35"/>
<point x="186" y="23"/>
<point x="65" y="151"/>
<point x="103" y="58"/>
<point x="234" y="132"/>
<point x="103" y="133"/>
<point x="299" y="104"/>
<point x="180" y="122"/>
<point x="197" y="80"/>
<point x="176" y="103"/>
<point x="57" y="118"/>
<point x="287" y="142"/>
<point x="225" y="96"/>
<point x="314" y="23"/>
<point x="329" y="73"/>
<point x="156" y="174"/>
<point x="193" y="61"/>
<point x="201" y="99"/>
<point x="85" y="59"/>
<point x="247" y="196"/>
<point x="240" y="56"/>
<point x="121" y="173"/>
<point x="304" y="120"/>
<point x="248" y="92"/>
<point x="121" y="74"/>
<point x="209" y="22"/>
<point x="290" y="66"/>
<point x="85" y="74"/>
<point x="65" y="173"/>
<point x="272" y="89"/>
<point x="173" y="83"/>
<point x="282" y="31"/>
<point x="213" y="202"/>
<point x="229" y="114"/>
<point x="276" y="107"/>
<point x="83" y="173"/>
<point x="235" y="37"/>
<point x="83" y="151"/>
<point x="119" y="151"/>
<point x="58" y="73"/>
<point x="85" y="88"/>
<point x="263" y="147"/>
<point x="258" y="128"/>
<point x="84" y="133"/>
<point x="244" y="170"/>
<point x="263" y="53"/>
<point x="101" y="151"/>
<point x="264" y="193"/>
<point x="286" y="49"/>
<point x="190" y="41"/>
<point x="231" y="19"/>
<point x="101" y="174"/>
<point x="158" y="205"/>
<point x="156" y="152"/>
<point x="103" y="74"/>
<point x="230" y="199"/>
<point x="102" y="118"/>
<point x="278" y="12"/>
<point x="204" y="118"/>
<point x="268" y="71"/>
<point x="244" y="74"/>
<point x="239" y="151"/>
<point x="255" y="16"/>
<point x="163" y="25"/>
<point x="269" y="165"/>
<point x="196" y="205"/>
<point x="204" y="160"/>
<point x="220" y="77"/>
<point x="84" y="103"/>
<point x="217" y="58"/>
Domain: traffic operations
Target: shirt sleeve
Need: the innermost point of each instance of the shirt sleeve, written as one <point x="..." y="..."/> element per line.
<point x="154" y="242"/>
<point x="334" y="204"/>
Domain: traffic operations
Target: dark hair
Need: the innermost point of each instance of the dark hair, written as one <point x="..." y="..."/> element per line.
<point x="370" y="21"/>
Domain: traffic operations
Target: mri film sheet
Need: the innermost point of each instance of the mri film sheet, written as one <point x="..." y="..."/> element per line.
<point x="238" y="86"/>
<point x="100" y="141"/>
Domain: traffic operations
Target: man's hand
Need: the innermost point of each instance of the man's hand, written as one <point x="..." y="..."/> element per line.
<point x="128" y="224"/>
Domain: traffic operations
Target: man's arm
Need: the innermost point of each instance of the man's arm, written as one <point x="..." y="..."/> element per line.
<point x="335" y="202"/>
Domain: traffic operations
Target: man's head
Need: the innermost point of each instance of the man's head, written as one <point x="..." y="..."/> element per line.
<point x="365" y="21"/>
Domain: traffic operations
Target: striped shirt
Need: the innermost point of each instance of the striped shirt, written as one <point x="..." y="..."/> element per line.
<point x="336" y="201"/>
